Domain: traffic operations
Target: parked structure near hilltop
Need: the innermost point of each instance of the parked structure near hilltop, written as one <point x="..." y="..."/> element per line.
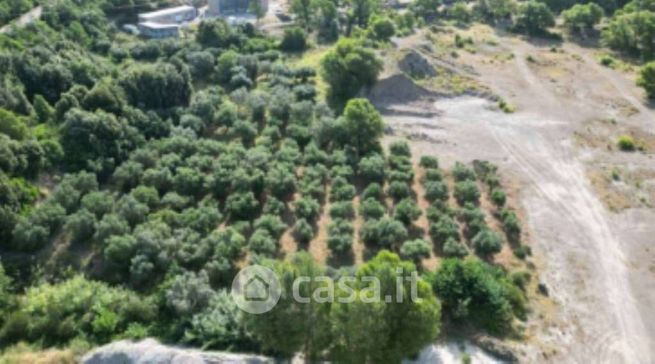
<point x="165" y="23"/>
<point x="176" y="15"/>
<point x="231" y="7"/>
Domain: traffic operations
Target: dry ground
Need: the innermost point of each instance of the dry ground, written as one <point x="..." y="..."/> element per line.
<point x="592" y="236"/>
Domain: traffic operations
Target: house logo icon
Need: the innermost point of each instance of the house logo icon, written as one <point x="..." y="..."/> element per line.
<point x="256" y="289"/>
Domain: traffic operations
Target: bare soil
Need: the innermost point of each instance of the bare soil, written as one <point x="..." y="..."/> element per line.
<point x="597" y="262"/>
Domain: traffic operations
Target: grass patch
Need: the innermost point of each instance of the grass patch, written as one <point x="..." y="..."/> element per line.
<point x="626" y="143"/>
<point x="506" y="107"/>
<point x="312" y="58"/>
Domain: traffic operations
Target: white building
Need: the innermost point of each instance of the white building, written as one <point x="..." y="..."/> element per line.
<point x="175" y="15"/>
<point x="165" y="23"/>
<point x="158" y="30"/>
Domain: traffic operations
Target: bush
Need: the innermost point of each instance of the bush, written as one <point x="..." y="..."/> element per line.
<point x="443" y="229"/>
<point x="371" y="209"/>
<point x="261" y="242"/>
<point x="272" y="223"/>
<point x="581" y="17"/>
<point x="647" y="79"/>
<point x="342" y="191"/>
<point x="429" y="162"/>
<point x="407" y="211"/>
<point x="467" y="192"/>
<point x="511" y="224"/>
<point x="533" y="18"/>
<point x="383" y="29"/>
<point x="371" y="168"/>
<point x="241" y="205"/>
<point x="342" y="210"/>
<point x="433" y="175"/>
<point x="462" y="172"/>
<point x="307" y="208"/>
<point x="384" y="233"/>
<point x="486" y="242"/>
<point x="455" y="249"/>
<point x="340" y="234"/>
<point x="626" y="143"/>
<point x="415" y="250"/>
<point x="436" y="191"/>
<point x="348" y="67"/>
<point x="374" y="191"/>
<point x="399" y="190"/>
<point x="400" y="148"/>
<point x="498" y="197"/>
<point x="294" y="40"/>
<point x="475" y="292"/>
<point x="303" y="231"/>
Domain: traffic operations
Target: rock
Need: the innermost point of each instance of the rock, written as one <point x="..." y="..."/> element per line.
<point x="416" y="66"/>
<point x="152" y="352"/>
<point x="542" y="288"/>
<point x="496" y="348"/>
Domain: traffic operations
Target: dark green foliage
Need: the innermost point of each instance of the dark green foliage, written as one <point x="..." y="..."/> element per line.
<point x="341" y="190"/>
<point x="400" y="148"/>
<point x="362" y="126"/>
<point x="533" y="18"/>
<point x="580" y="18"/>
<point x="261" y="242"/>
<point x="384" y="233"/>
<point x="429" y="162"/>
<point x="373" y="190"/>
<point x="498" y="197"/>
<point x="433" y="175"/>
<point x="371" y="168"/>
<point x="371" y="209"/>
<point x="486" y="242"/>
<point x="443" y="229"/>
<point x="383" y="29"/>
<point x="436" y="191"/>
<point x="340" y="236"/>
<point x="453" y="248"/>
<point x="461" y="172"/>
<point x="272" y="223"/>
<point x="342" y="210"/>
<point x="511" y="224"/>
<point x="307" y="208"/>
<point x="647" y="79"/>
<point x="98" y="312"/>
<point x="467" y="192"/>
<point x="303" y="231"/>
<point x="157" y="86"/>
<point x="216" y="33"/>
<point x="241" y="205"/>
<point x="472" y="291"/>
<point x="294" y="40"/>
<point x="349" y="67"/>
<point x="399" y="190"/>
<point x="415" y="250"/>
<point x="406" y="211"/>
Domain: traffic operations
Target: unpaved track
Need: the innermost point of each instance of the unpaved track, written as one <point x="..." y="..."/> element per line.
<point x="599" y="319"/>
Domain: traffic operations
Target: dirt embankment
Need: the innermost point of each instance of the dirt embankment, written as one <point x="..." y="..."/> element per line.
<point x="599" y="265"/>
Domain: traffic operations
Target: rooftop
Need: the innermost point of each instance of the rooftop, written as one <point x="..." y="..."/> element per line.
<point x="168" y="11"/>
<point x="153" y="25"/>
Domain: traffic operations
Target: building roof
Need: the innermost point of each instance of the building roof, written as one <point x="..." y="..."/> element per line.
<point x="153" y="25"/>
<point x="167" y="12"/>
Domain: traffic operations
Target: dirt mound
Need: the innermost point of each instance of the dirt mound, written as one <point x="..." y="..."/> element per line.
<point x="416" y="66"/>
<point x="396" y="89"/>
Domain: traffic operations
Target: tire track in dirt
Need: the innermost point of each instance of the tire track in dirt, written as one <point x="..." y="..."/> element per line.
<point x="559" y="180"/>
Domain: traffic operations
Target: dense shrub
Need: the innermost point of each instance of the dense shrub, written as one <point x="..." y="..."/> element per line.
<point x="406" y="211"/>
<point x="486" y="242"/>
<point x="371" y="209"/>
<point x="472" y="291"/>
<point x="340" y="236"/>
<point x="294" y="40"/>
<point x="467" y="192"/>
<point x="415" y="250"/>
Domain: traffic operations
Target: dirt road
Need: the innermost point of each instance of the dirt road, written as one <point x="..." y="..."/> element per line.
<point x="590" y="257"/>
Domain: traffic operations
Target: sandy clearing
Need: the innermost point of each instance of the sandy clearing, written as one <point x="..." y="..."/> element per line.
<point x="599" y="266"/>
